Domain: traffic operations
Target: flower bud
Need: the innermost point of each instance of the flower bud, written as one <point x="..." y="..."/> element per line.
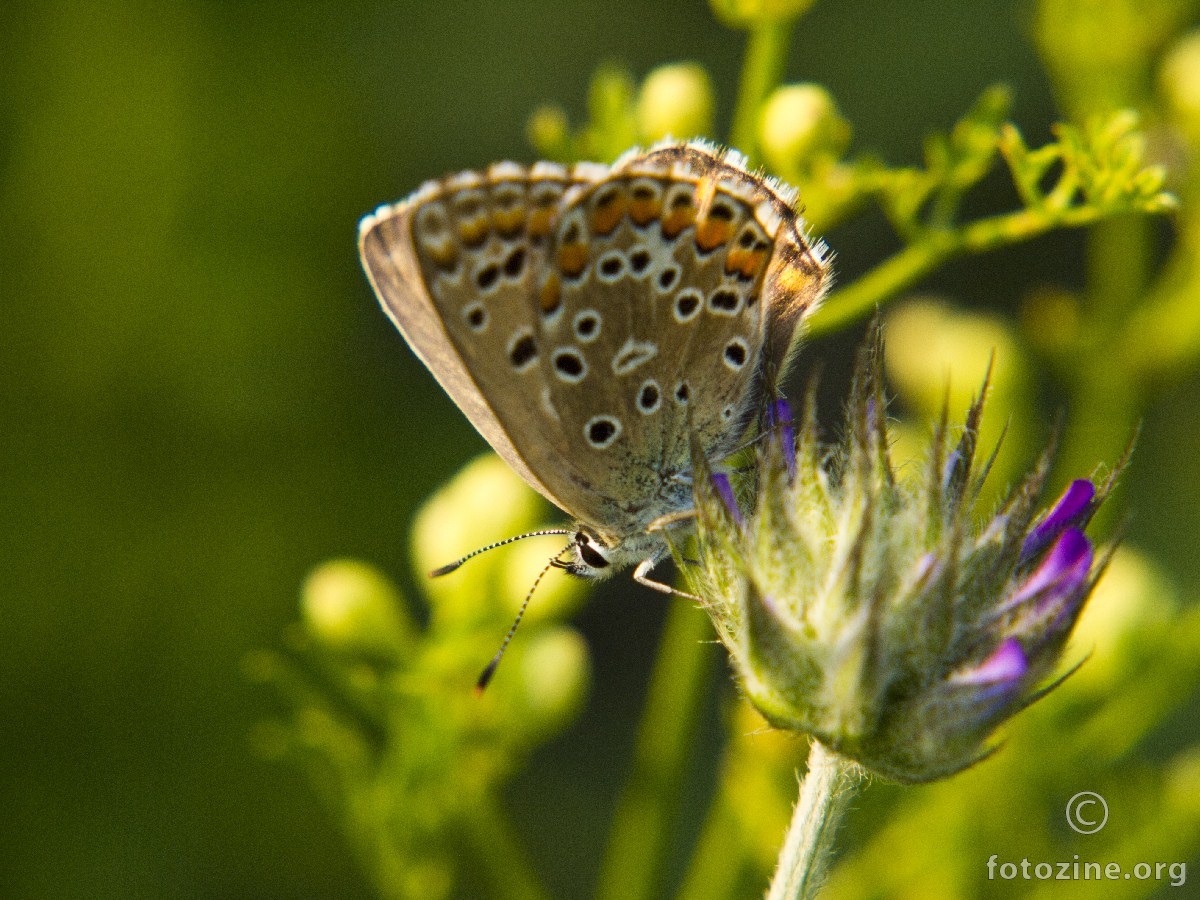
<point x="1179" y="82"/>
<point x="749" y="13"/>
<point x="883" y="614"/>
<point x="611" y="128"/>
<point x="798" y="125"/>
<point x="549" y="133"/>
<point x="554" y="678"/>
<point x="675" y="101"/>
<point x="484" y="503"/>
<point x="352" y="608"/>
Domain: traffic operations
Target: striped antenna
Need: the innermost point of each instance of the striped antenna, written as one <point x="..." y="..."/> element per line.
<point x="485" y="676"/>
<point x="447" y="569"/>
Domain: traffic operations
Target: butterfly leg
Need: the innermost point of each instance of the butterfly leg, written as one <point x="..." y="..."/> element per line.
<point x="671" y="518"/>
<point x="642" y="576"/>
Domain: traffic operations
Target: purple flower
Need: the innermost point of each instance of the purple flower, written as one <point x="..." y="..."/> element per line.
<point x="1007" y="664"/>
<point x="1070" y="511"/>
<point x="1061" y="573"/>
<point x="876" y="609"/>
<point x="779" y="415"/>
<point x="724" y="489"/>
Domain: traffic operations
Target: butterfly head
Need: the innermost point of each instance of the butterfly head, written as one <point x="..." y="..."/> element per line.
<point x="592" y="554"/>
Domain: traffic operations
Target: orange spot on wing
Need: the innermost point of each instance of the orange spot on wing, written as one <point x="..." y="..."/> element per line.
<point x="444" y="255"/>
<point x="644" y="208"/>
<point x="572" y="259"/>
<point x="747" y="263"/>
<point x="677" y="219"/>
<point x="540" y="221"/>
<point x="608" y="211"/>
<point x="473" y="231"/>
<point x="509" y="222"/>
<point x="712" y="233"/>
<point x="550" y="296"/>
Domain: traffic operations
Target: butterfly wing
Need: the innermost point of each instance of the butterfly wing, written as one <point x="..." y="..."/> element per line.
<point x="587" y="320"/>
<point x="455" y="268"/>
<point x="680" y="280"/>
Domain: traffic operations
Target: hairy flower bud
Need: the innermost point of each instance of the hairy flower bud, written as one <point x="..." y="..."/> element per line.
<point x="881" y="614"/>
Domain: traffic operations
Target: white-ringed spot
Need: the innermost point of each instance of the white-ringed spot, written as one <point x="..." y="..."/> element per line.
<point x="569" y="365"/>
<point x="476" y="316"/>
<point x="487" y="277"/>
<point x="431" y="223"/>
<point x="507" y="196"/>
<point x="522" y="350"/>
<point x="611" y="266"/>
<point x="687" y="306"/>
<point x="601" y="431"/>
<point x="649" y="397"/>
<point x="666" y="279"/>
<point x="724" y="302"/>
<point x="632" y="354"/>
<point x="639" y="261"/>
<point x="586" y="325"/>
<point x="514" y="264"/>
<point x="735" y="354"/>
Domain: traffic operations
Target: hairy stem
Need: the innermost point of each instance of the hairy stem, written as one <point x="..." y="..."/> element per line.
<point x="807" y="847"/>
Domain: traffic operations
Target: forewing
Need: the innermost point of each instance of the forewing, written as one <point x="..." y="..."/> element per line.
<point x="456" y="269"/>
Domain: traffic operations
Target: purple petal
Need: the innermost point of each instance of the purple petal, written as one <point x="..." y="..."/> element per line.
<point x="1007" y="663"/>
<point x="872" y="414"/>
<point x="950" y="471"/>
<point x="725" y="491"/>
<point x="780" y="416"/>
<point x="1067" y="512"/>
<point x="1061" y="573"/>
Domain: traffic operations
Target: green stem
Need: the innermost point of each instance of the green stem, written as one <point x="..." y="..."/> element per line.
<point x="1161" y="338"/>
<point x="1118" y="267"/>
<point x="883" y="282"/>
<point x="807" y="847"/>
<point x="633" y="861"/>
<point x="932" y="250"/>
<point x="762" y="71"/>
<point x="503" y="865"/>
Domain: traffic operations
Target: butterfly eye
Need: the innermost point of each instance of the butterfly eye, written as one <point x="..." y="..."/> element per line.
<point x="590" y="554"/>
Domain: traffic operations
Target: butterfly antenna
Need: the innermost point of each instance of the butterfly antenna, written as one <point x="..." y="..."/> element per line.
<point x="485" y="676"/>
<point x="447" y="569"/>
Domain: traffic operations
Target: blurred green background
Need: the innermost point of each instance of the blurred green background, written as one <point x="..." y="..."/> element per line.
<point x="201" y="400"/>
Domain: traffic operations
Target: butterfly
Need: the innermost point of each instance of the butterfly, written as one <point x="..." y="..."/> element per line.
<point x="593" y="322"/>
